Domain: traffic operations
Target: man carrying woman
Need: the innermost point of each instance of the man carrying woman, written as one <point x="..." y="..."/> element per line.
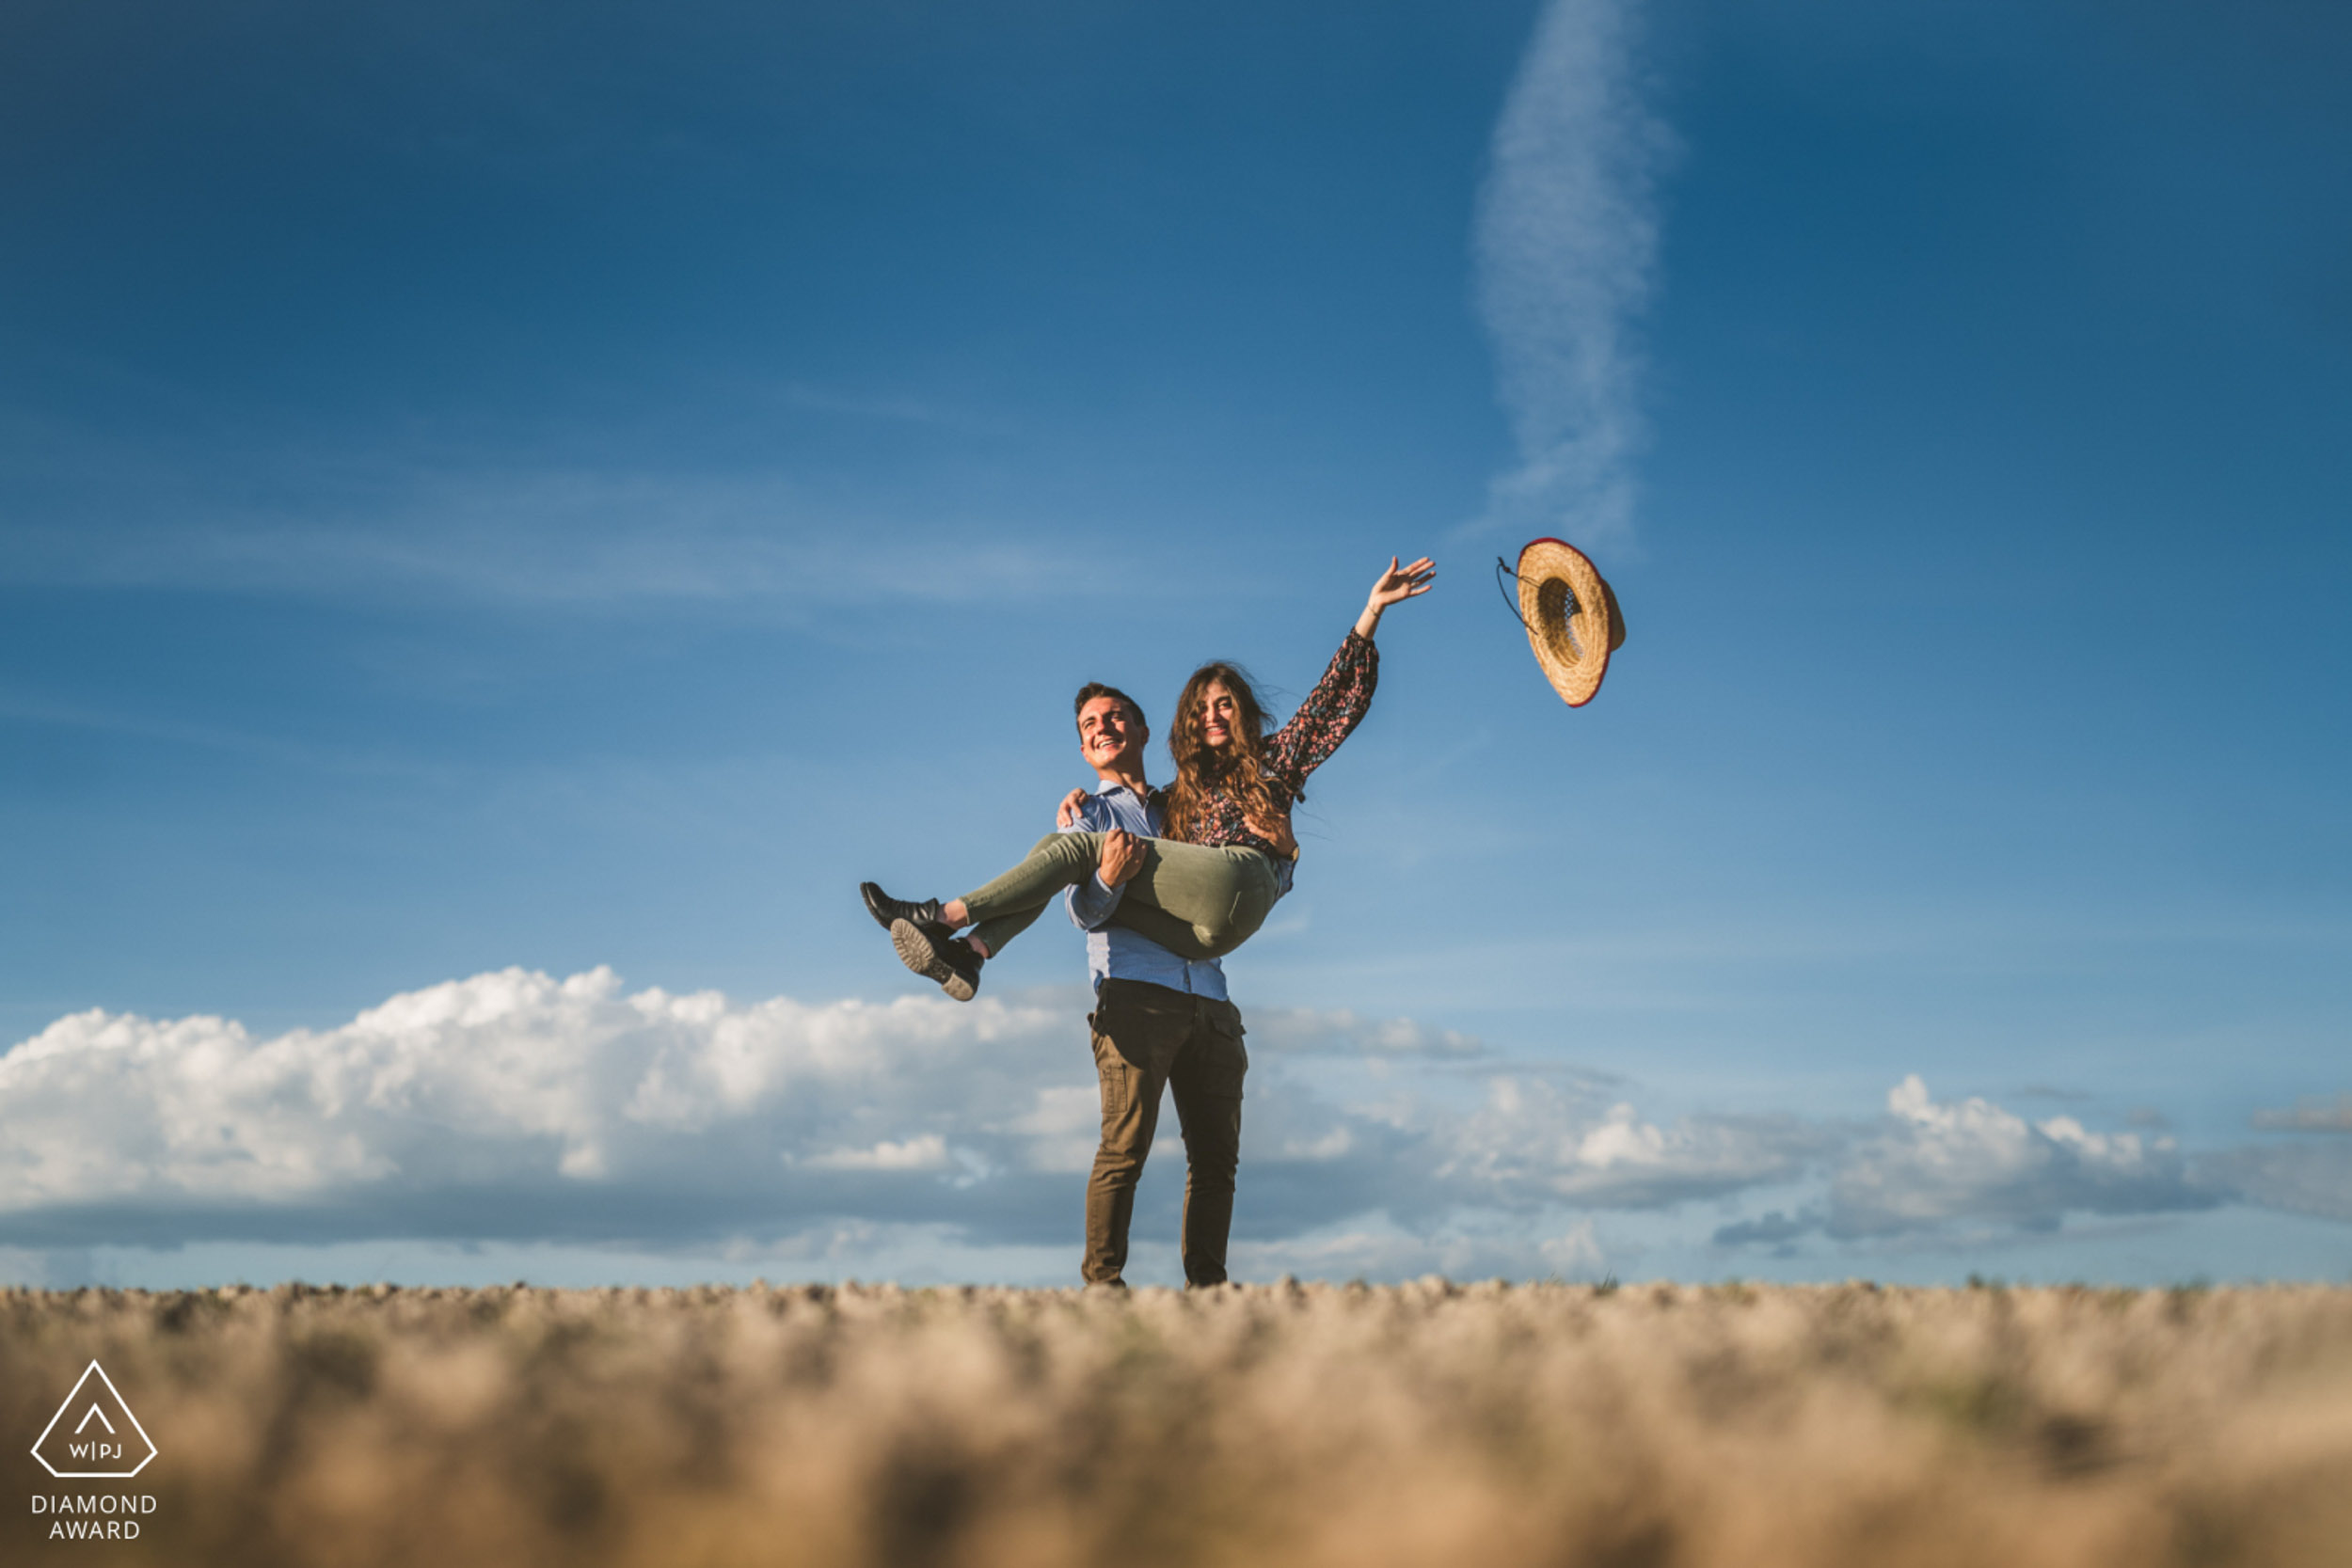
<point x="1163" y="884"/>
<point x="1204" y="888"/>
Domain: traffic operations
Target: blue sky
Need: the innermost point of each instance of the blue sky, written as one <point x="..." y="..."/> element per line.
<point x="508" y="514"/>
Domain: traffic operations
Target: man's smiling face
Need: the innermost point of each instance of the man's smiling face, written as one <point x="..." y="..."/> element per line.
<point x="1111" y="736"/>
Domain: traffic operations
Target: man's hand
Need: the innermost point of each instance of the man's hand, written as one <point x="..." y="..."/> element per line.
<point x="1067" y="816"/>
<point x="1276" y="831"/>
<point x="1122" y="857"/>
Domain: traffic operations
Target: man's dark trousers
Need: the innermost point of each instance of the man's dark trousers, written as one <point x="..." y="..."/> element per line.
<point x="1147" y="1038"/>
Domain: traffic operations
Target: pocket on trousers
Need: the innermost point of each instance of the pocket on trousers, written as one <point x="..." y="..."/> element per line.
<point x="1115" y="1076"/>
<point x="1229" y="1059"/>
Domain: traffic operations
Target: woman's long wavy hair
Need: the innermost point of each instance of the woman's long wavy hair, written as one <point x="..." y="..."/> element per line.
<point x="1239" y="768"/>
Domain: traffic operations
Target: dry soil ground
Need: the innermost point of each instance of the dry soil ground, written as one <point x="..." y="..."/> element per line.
<point x="1422" y="1424"/>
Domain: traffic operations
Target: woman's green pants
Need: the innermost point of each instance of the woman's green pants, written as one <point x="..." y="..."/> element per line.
<point x="1195" y="900"/>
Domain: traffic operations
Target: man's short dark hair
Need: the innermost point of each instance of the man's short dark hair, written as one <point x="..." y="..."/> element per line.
<point x="1092" y="689"/>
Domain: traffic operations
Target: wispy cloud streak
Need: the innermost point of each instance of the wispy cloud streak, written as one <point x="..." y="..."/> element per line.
<point x="580" y="539"/>
<point x="1567" y="248"/>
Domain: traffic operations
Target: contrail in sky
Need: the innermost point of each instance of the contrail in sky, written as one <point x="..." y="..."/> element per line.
<point x="1566" y="249"/>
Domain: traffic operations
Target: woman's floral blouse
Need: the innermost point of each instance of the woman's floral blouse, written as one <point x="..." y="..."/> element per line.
<point x="1331" y="710"/>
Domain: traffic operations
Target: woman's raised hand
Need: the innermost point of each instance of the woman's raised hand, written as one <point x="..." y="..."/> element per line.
<point x="1396" y="584"/>
<point x="1402" y="582"/>
<point x="1068" y="815"/>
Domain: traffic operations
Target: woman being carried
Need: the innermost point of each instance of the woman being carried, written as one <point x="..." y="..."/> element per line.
<point x="1205" y="888"/>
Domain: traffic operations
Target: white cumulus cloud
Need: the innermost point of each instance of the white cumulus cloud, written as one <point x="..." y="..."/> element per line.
<point x="1532" y="1142"/>
<point x="1932" y="1163"/>
<point x="541" y="1095"/>
<point x="517" y="1105"/>
<point x="927" y="1152"/>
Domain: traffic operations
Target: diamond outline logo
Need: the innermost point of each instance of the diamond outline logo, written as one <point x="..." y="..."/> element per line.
<point x="124" y="1405"/>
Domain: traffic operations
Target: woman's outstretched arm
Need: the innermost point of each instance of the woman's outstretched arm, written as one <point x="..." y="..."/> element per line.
<point x="1343" y="695"/>
<point x="1396" y="584"/>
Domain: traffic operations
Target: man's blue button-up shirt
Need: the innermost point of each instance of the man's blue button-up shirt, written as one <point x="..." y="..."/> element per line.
<point x="1113" y="952"/>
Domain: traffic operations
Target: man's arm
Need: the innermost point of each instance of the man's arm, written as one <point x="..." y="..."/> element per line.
<point x="1092" y="902"/>
<point x="1122" y="857"/>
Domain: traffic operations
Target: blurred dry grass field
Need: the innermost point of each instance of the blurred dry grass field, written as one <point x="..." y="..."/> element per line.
<point x="1420" y="1424"/>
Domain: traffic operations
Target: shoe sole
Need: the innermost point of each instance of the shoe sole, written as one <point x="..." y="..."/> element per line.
<point x="919" y="953"/>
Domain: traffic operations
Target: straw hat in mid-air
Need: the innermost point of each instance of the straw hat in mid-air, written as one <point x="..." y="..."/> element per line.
<point x="1571" y="617"/>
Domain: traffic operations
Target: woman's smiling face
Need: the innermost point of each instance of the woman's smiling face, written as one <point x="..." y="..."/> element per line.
<point x="1219" y="713"/>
